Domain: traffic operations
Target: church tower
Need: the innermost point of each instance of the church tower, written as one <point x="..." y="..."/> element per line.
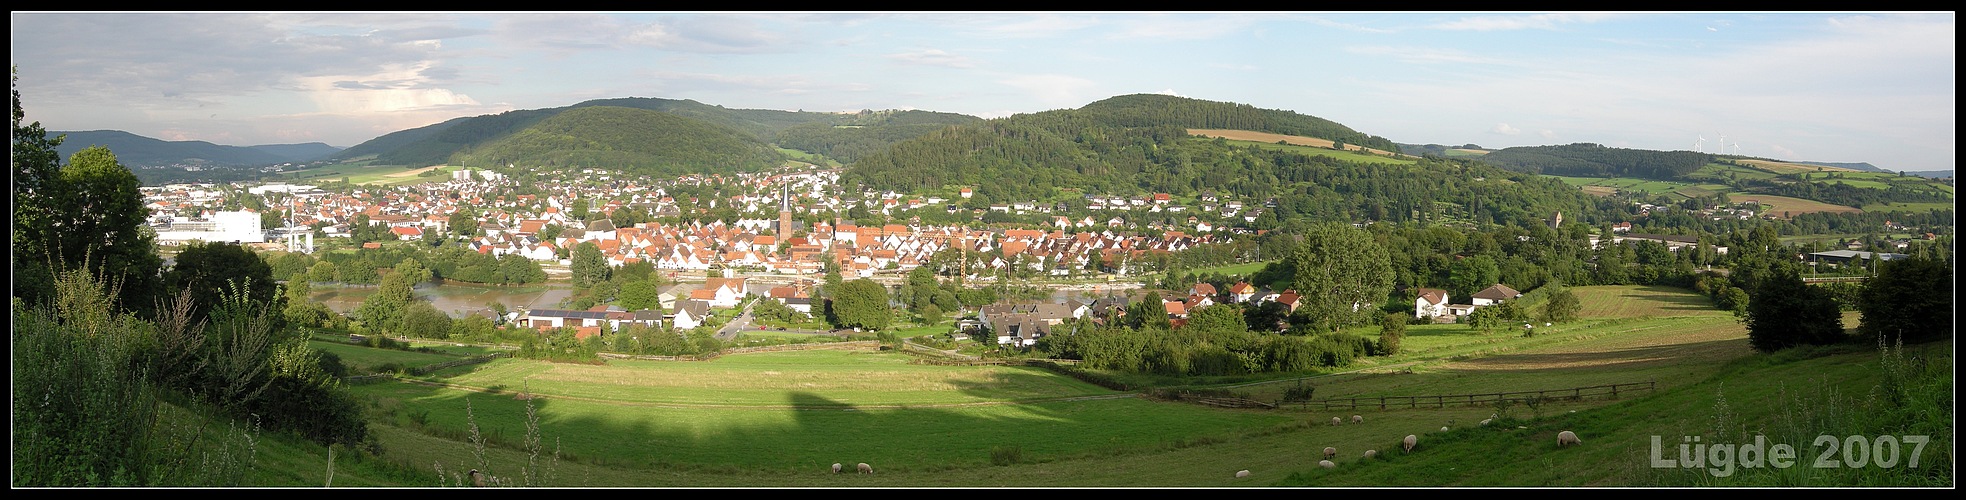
<point x="785" y="213"/>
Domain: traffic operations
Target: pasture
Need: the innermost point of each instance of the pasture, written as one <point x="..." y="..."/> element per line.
<point x="1781" y="167"/>
<point x="1780" y="205"/>
<point x="1315" y="145"/>
<point x="779" y="419"/>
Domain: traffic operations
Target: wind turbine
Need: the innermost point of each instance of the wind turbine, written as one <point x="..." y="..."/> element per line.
<point x="1697" y="142"/>
<point x="1723" y="143"/>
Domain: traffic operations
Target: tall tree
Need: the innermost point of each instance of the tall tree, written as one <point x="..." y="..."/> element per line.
<point x="1909" y="300"/>
<point x="861" y="303"/>
<point x="211" y="270"/>
<point x="99" y="223"/>
<point x="1342" y="275"/>
<point x="36" y="169"/>
<point x="589" y="265"/>
<point x="1784" y="312"/>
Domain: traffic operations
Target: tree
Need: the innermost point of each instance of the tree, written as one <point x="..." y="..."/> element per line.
<point x="383" y="310"/>
<point x="861" y="303"/>
<point x="321" y="272"/>
<point x="1470" y="275"/>
<point x="1784" y="312"/>
<point x="589" y="265"/>
<point x="1341" y="274"/>
<point x="36" y="170"/>
<point x="463" y="223"/>
<point x="1562" y="306"/>
<point x="209" y="270"/>
<point x="1149" y="312"/>
<point x="1391" y="329"/>
<point x="1909" y="300"/>
<point x="639" y="294"/>
<point x="99" y="220"/>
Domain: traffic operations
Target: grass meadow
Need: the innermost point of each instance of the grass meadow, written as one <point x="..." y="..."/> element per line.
<point x="780" y="419"/>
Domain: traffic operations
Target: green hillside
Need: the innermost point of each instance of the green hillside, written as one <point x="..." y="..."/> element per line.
<point x="633" y="140"/>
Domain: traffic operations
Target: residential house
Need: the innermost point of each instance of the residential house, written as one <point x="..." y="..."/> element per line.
<point x="1495" y="294"/>
<point x="1431" y="303"/>
<point x="689" y="314"/>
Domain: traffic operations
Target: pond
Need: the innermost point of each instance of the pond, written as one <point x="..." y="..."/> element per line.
<point x="457" y="299"/>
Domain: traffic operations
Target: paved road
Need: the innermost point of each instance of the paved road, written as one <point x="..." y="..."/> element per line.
<point x="729" y="331"/>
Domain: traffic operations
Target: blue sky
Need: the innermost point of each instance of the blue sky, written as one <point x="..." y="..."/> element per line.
<point x="1813" y="86"/>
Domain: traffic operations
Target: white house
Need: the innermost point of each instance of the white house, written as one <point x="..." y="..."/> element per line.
<point x="1432" y="302"/>
<point x="690" y="314"/>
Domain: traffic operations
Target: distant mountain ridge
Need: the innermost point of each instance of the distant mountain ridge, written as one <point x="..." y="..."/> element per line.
<point x="139" y="151"/>
<point x="470" y="139"/>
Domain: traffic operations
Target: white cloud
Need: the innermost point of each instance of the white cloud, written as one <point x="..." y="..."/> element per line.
<point x="1548" y="134"/>
<point x="1505" y="129"/>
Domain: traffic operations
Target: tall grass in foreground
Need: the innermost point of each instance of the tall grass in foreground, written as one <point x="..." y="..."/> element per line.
<point x="1909" y="411"/>
<point x="86" y="411"/>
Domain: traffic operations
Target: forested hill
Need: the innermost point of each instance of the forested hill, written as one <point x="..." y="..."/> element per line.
<point x="1124" y="144"/>
<point x="1063" y="154"/>
<point x="139" y="151"/>
<point x="1595" y="160"/>
<point x="854" y="136"/>
<point x="858" y="132"/>
<point x="636" y="141"/>
<point x="1150" y="110"/>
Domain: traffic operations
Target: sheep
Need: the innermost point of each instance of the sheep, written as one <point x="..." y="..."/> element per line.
<point x="1443" y="428"/>
<point x="1486" y="420"/>
<point x="477" y="478"/>
<point x="1242" y="473"/>
<point x="1330" y="452"/>
<point x="1336" y="420"/>
<point x="1358" y="419"/>
<point x="1327" y="464"/>
<point x="836" y="467"/>
<point x="1408" y="443"/>
<point x="866" y="469"/>
<point x="1371" y="454"/>
<point x="1567" y="438"/>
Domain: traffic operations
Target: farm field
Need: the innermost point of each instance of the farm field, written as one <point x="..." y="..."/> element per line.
<point x="1780" y="167"/>
<point x="1778" y="205"/>
<point x="1606" y="186"/>
<point x="780" y="419"/>
<point x="1313" y="142"/>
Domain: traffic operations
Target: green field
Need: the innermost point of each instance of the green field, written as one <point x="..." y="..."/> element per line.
<point x="780" y="419"/>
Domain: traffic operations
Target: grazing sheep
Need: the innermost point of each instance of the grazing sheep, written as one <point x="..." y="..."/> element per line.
<point x="866" y="469"/>
<point x="1327" y="464"/>
<point x="1336" y="420"/>
<point x="836" y="468"/>
<point x="1485" y="421"/>
<point x="1567" y="438"/>
<point x="1408" y="443"/>
<point x="1358" y="419"/>
<point x="1330" y="452"/>
<point x="1242" y="473"/>
<point x="1371" y="454"/>
<point x="1443" y="428"/>
<point x="477" y="478"/>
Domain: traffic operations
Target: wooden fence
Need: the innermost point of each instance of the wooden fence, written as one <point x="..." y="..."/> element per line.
<point x="1612" y="391"/>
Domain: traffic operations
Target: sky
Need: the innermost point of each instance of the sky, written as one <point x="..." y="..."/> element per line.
<point x="1872" y="87"/>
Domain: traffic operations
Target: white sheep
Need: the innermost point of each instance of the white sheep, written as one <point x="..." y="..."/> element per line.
<point x="1371" y="454"/>
<point x="1336" y="420"/>
<point x="1486" y="420"/>
<point x="1327" y="464"/>
<point x="1242" y="473"/>
<point x="1330" y="452"/>
<point x="1358" y="419"/>
<point x="836" y="468"/>
<point x="1408" y="443"/>
<point x="866" y="469"/>
<point x="1443" y="428"/>
<point x="1567" y="438"/>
